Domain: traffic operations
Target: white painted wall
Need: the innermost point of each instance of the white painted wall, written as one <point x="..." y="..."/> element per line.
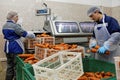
<point x="115" y="3"/>
<point x="88" y="2"/>
<point x="106" y="3"/>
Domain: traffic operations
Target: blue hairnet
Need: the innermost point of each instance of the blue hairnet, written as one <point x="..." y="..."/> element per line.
<point x="92" y="10"/>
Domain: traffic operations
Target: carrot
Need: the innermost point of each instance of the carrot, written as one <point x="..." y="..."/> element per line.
<point x="107" y="52"/>
<point x="29" y="58"/>
<point x="25" y="55"/>
<point x="58" y="48"/>
<point x="93" y="50"/>
<point x="73" y="46"/>
<point x="44" y="35"/>
<point x="97" y="47"/>
<point x="35" y="60"/>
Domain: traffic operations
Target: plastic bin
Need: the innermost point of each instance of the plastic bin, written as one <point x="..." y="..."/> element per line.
<point x="41" y="53"/>
<point x="78" y="49"/>
<point x="117" y="66"/>
<point x="50" y="40"/>
<point x="60" y="66"/>
<point x="20" y="64"/>
<point x="30" y="43"/>
<point x="28" y="73"/>
<point x="24" y="71"/>
<point x="93" y="65"/>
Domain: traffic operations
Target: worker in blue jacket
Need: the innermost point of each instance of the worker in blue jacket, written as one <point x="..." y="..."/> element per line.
<point x="106" y="34"/>
<point x="13" y="45"/>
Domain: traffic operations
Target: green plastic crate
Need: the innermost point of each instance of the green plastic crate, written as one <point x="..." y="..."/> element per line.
<point x="93" y="65"/>
<point x="28" y="73"/>
<point x="23" y="69"/>
<point x="19" y="66"/>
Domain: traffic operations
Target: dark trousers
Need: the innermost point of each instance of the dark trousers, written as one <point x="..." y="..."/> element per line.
<point x="11" y="64"/>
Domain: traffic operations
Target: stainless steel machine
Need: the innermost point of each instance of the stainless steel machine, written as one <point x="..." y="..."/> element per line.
<point x="64" y="28"/>
<point x="69" y="28"/>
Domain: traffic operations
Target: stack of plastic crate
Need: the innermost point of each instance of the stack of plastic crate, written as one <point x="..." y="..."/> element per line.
<point x="117" y="66"/>
<point x="60" y="66"/>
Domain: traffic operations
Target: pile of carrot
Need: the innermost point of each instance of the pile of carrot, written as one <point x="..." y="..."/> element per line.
<point x="28" y="58"/>
<point x="43" y="35"/>
<point x="95" y="75"/>
<point x="61" y="46"/>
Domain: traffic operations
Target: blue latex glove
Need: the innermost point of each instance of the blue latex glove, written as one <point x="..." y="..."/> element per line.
<point x="102" y="50"/>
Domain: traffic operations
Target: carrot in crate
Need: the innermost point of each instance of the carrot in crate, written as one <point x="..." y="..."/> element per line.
<point x="35" y="60"/>
<point x="44" y="35"/>
<point x="73" y="46"/>
<point x="29" y="58"/>
<point x="25" y="55"/>
<point x="41" y="45"/>
<point x="93" y="78"/>
<point x="83" y="78"/>
<point x="57" y="47"/>
<point x="96" y="75"/>
<point x="46" y="45"/>
<point x="29" y="61"/>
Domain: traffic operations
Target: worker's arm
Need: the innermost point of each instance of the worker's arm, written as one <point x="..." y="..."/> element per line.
<point x="113" y="42"/>
<point x="19" y="31"/>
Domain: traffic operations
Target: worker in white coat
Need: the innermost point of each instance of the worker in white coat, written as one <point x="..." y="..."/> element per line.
<point x="13" y="45"/>
<point x="106" y="34"/>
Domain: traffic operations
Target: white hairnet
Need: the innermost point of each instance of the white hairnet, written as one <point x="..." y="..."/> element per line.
<point x="92" y="10"/>
<point x="11" y="14"/>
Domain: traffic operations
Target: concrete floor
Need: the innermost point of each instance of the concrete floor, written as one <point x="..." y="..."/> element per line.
<point x="3" y="70"/>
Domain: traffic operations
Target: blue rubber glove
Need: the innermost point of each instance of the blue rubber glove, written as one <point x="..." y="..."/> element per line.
<point x="102" y="50"/>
